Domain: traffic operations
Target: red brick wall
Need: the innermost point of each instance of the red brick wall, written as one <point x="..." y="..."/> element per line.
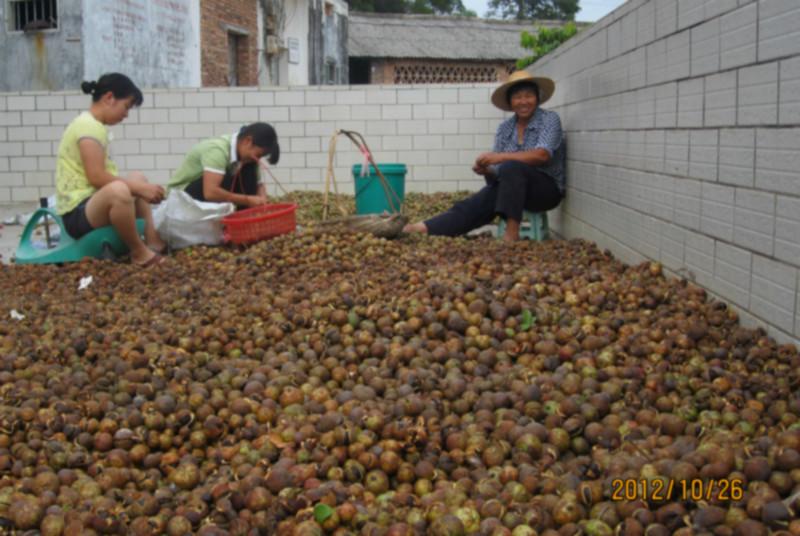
<point x="214" y="14"/>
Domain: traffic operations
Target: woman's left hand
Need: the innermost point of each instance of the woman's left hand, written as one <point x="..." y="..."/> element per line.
<point x="256" y="200"/>
<point x="152" y="193"/>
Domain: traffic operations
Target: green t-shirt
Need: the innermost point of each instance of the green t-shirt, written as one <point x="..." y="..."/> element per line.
<point x="212" y="154"/>
<point x="72" y="185"/>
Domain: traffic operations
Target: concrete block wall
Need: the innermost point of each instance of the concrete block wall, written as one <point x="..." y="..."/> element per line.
<point x="436" y="130"/>
<point x="683" y="120"/>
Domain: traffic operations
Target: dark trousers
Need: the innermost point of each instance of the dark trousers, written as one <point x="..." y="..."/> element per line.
<point x="517" y="187"/>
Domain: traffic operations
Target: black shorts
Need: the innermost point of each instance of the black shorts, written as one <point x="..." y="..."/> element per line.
<point x="76" y="222"/>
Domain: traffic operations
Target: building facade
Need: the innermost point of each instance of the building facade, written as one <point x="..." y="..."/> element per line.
<point x="55" y="44"/>
<point x="306" y="42"/>
<point x="388" y="48"/>
<point x="230" y="42"/>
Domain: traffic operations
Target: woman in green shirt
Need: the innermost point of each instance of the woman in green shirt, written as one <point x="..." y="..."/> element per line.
<point x="90" y="193"/>
<point x="225" y="168"/>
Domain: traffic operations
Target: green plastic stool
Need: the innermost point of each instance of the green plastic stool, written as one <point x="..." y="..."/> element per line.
<point x="533" y="226"/>
<point x="102" y="243"/>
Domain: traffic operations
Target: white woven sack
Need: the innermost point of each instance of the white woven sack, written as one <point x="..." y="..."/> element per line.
<point x="183" y="221"/>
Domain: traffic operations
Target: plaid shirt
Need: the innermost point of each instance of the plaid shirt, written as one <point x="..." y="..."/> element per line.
<point x="543" y="132"/>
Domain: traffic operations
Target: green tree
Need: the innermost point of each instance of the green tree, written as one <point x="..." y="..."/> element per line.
<point x="440" y="7"/>
<point x="378" y="6"/>
<point x="534" y="9"/>
<point x="543" y="41"/>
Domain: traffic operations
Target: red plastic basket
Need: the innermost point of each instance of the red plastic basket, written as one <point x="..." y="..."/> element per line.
<point x="259" y="223"/>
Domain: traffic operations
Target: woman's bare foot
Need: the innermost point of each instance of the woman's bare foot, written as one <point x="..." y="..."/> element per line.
<point x="512" y="230"/>
<point x="154" y="260"/>
<point x="145" y="257"/>
<point x="158" y="246"/>
<point x="510" y="238"/>
<point x="418" y="227"/>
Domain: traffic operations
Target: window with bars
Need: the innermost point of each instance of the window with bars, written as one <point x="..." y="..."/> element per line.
<point x="234" y="57"/>
<point x="30" y="15"/>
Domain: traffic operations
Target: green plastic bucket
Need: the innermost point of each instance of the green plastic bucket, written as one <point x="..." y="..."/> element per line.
<point x="370" y="194"/>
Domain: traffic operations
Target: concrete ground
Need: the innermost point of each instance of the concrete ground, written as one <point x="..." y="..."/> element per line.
<point x="9" y="234"/>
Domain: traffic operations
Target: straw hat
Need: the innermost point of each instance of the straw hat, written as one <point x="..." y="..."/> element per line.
<point x="500" y="95"/>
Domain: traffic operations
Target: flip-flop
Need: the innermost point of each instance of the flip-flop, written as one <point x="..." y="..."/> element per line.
<point x="160" y="251"/>
<point x="152" y="261"/>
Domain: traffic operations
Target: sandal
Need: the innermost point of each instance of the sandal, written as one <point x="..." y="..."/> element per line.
<point x="152" y="261"/>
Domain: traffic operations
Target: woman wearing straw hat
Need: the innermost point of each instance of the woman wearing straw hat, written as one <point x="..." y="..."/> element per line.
<point x="524" y="171"/>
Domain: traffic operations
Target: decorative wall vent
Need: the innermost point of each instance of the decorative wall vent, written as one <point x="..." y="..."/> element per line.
<point x="433" y="73"/>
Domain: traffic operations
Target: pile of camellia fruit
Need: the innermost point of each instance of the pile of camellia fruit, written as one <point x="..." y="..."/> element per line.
<point x="345" y="384"/>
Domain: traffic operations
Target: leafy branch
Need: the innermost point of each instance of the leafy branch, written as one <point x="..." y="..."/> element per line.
<point x="543" y="41"/>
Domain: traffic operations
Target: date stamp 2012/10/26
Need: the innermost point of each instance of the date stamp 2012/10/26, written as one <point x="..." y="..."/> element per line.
<point x="663" y="489"/>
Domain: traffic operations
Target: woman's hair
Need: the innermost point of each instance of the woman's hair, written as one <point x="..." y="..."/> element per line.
<point x="264" y="136"/>
<point x="533" y="86"/>
<point x="118" y="84"/>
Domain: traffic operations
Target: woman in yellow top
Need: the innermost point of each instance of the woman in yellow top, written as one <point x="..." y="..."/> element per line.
<point x="89" y="191"/>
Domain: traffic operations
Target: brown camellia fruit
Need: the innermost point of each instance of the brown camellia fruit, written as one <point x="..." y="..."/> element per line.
<point x="26" y="513"/>
<point x="776" y="514"/>
<point x="53" y="525"/>
<point x="186" y="476"/>
<point x="750" y="527"/>
<point x="756" y="468"/>
<point x="447" y="525"/>
<point x="376" y="481"/>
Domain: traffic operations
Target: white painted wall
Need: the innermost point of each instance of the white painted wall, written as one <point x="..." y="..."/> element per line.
<point x="159" y="40"/>
<point x="437" y="131"/>
<point x="296" y="74"/>
<point x="263" y="66"/>
<point x="47" y="60"/>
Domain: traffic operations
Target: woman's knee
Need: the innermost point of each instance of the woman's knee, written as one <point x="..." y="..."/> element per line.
<point x="484" y="197"/>
<point x="137" y="176"/>
<point x="512" y="170"/>
<point x="117" y="192"/>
